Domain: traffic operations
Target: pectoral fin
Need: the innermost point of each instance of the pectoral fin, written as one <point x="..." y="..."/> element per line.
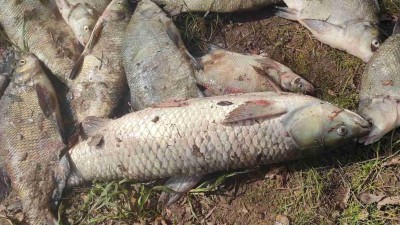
<point x="175" y="36"/>
<point x="255" y="110"/>
<point x="321" y="27"/>
<point x="396" y="29"/>
<point x="49" y="104"/>
<point x="92" y="125"/>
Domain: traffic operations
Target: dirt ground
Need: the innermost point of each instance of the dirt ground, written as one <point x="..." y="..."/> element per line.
<point x="326" y="189"/>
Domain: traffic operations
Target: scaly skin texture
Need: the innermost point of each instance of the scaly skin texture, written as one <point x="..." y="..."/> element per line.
<point x="204" y="135"/>
<point x="380" y="89"/>
<point x="226" y="72"/>
<point x="221" y="6"/>
<point x="157" y="68"/>
<point x="349" y="25"/>
<point x="30" y="141"/>
<point x="81" y="15"/>
<point x="41" y="28"/>
<point x="101" y="83"/>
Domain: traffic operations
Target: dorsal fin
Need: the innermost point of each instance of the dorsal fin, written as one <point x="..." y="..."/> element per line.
<point x="92" y="125"/>
<point x="255" y="109"/>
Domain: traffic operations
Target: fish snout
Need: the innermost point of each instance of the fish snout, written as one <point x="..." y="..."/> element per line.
<point x="363" y="127"/>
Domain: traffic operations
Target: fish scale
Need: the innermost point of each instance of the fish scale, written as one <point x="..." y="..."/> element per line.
<point x="192" y="137"/>
<point x="44" y="32"/>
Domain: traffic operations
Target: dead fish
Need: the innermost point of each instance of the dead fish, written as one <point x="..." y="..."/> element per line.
<point x="349" y="25"/>
<point x="175" y="7"/>
<point x="81" y="16"/>
<point x="100" y="78"/>
<point x="156" y="61"/>
<point x="32" y="139"/>
<point x="204" y="135"/>
<point x="226" y="72"/>
<point x="380" y="90"/>
<point x="38" y="27"/>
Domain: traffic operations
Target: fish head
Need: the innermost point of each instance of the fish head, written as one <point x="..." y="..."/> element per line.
<point x="363" y="40"/>
<point x="82" y="19"/>
<point x="294" y="83"/>
<point x="117" y="10"/>
<point x="27" y="67"/>
<point x="323" y="125"/>
<point x="383" y="113"/>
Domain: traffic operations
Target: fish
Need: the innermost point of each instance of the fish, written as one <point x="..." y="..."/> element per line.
<point x="351" y="26"/>
<point x="204" y="135"/>
<point x="99" y="80"/>
<point x="157" y="63"/>
<point x="32" y="139"/>
<point x="81" y="16"/>
<point x="226" y="72"/>
<point x="380" y="90"/>
<point x="37" y="27"/>
<point x="174" y="7"/>
<point x="7" y="58"/>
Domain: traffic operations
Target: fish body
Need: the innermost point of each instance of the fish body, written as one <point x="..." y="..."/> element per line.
<point x="380" y="90"/>
<point x="220" y="6"/>
<point x="31" y="138"/>
<point x="81" y="16"/>
<point x="204" y="135"/>
<point x="101" y="82"/>
<point x="347" y="25"/>
<point x="156" y="61"/>
<point x="226" y="72"/>
<point x="37" y="26"/>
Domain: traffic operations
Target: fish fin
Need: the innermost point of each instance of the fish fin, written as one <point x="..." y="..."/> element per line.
<point x="77" y="67"/>
<point x="181" y="185"/>
<point x="320" y="26"/>
<point x="5" y="184"/>
<point x="95" y="35"/>
<point x="286" y="13"/>
<point x="396" y="29"/>
<point x="49" y="104"/>
<point x="174" y="34"/>
<point x="268" y="78"/>
<point x="91" y="125"/>
<point x="61" y="174"/>
<point x="255" y="109"/>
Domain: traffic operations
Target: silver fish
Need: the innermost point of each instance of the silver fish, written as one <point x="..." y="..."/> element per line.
<point x="175" y="7"/>
<point x="349" y="25"/>
<point x="380" y="90"/>
<point x="38" y="27"/>
<point x="81" y="15"/>
<point x="156" y="61"/>
<point x="32" y="139"/>
<point x="204" y="135"/>
<point x="100" y="80"/>
<point x="226" y="72"/>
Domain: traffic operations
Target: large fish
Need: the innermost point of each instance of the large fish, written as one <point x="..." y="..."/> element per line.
<point x="32" y="139"/>
<point x="204" y="135"/>
<point x="38" y="27"/>
<point x="349" y="25"/>
<point x="156" y="61"/>
<point x="226" y="72"/>
<point x="175" y="7"/>
<point x="380" y="90"/>
<point x="81" y="15"/>
<point x="100" y="78"/>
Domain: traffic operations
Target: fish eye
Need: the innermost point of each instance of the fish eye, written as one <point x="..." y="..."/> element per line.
<point x="300" y="85"/>
<point x="375" y="45"/>
<point x="22" y="62"/>
<point x="86" y="28"/>
<point x="342" y="130"/>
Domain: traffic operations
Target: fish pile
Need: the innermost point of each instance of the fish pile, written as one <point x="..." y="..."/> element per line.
<point x="189" y="116"/>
